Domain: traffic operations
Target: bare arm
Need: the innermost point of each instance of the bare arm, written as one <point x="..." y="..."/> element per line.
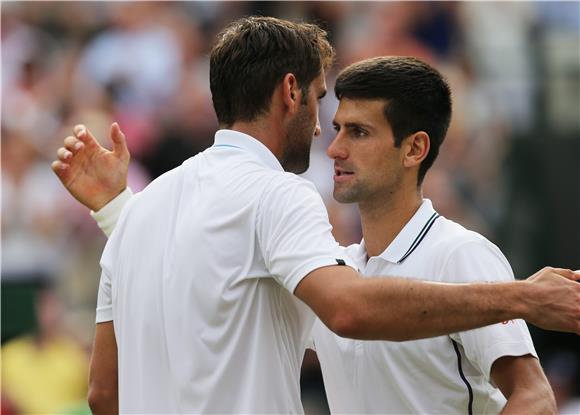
<point x="523" y="382"/>
<point x="103" y="386"/>
<point x="399" y="309"/>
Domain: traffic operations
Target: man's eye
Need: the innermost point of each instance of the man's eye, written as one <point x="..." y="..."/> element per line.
<point x="359" y="132"/>
<point x="336" y="128"/>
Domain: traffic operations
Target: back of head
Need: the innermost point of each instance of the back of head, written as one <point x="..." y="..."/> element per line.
<point x="417" y="97"/>
<point x="251" y="57"/>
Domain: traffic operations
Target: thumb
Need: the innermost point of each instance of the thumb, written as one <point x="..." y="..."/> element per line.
<point x="119" y="142"/>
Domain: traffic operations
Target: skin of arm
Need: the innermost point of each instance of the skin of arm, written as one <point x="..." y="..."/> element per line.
<point x="523" y="382"/>
<point x="103" y="382"/>
<point x="400" y="309"/>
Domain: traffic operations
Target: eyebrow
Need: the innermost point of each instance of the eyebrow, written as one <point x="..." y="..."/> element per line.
<point x="354" y="125"/>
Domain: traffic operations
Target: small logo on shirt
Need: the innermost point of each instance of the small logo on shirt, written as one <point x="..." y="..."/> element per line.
<point x="340" y="261"/>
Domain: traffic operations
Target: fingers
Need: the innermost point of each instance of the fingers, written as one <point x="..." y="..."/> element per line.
<point x="119" y="142"/>
<point x="63" y="154"/>
<point x="83" y="134"/>
<point x="567" y="273"/>
<point x="73" y="144"/>
<point x="59" y="168"/>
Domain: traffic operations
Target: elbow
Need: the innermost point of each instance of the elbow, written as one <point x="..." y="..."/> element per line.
<point x="348" y="318"/>
<point x="344" y="323"/>
<point x="102" y="400"/>
<point x="340" y="313"/>
<point x="354" y="323"/>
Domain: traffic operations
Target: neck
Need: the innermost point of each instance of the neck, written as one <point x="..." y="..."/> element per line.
<point x="266" y="130"/>
<point x="383" y="219"/>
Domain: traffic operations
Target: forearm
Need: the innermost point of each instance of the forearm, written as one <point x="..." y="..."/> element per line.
<point x="103" y="376"/>
<point x="524" y="384"/>
<point x="530" y="402"/>
<point x="400" y="309"/>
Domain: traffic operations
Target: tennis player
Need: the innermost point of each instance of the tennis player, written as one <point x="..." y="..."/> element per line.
<point x="215" y="271"/>
<point x="392" y="118"/>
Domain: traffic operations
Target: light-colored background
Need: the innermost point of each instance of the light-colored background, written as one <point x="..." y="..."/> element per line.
<point x="510" y="166"/>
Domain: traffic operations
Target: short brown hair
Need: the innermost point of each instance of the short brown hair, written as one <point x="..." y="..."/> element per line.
<point x="251" y="57"/>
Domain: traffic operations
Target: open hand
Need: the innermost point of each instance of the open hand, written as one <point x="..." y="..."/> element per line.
<point x="90" y="172"/>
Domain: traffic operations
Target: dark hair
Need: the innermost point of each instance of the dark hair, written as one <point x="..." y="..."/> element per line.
<point x="252" y="56"/>
<point x="417" y="97"/>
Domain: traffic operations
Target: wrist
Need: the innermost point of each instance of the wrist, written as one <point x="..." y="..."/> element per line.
<point x="521" y="304"/>
<point x="103" y="198"/>
<point x="107" y="216"/>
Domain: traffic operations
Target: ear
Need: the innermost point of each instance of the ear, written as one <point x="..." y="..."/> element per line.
<point x="291" y="93"/>
<point x="416" y="147"/>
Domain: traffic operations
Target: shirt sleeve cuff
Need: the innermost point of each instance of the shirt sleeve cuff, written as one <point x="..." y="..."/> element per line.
<point x="301" y="272"/>
<point x="108" y="215"/>
<point x="514" y="349"/>
<point x="104" y="314"/>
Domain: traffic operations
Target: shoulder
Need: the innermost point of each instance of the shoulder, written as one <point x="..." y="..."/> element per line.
<point x="290" y="180"/>
<point x="284" y="187"/>
<point x="450" y="236"/>
<point x="288" y="201"/>
<point x="466" y="255"/>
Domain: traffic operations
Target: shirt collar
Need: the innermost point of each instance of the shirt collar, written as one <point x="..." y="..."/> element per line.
<point x="412" y="234"/>
<point x="236" y="139"/>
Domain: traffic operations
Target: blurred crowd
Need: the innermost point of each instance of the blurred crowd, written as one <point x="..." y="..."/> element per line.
<point x="509" y="168"/>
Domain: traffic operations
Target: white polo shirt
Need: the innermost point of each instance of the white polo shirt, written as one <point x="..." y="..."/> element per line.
<point x="198" y="277"/>
<point x="446" y="374"/>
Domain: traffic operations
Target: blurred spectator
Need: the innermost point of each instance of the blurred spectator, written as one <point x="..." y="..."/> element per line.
<point x="136" y="56"/>
<point x="32" y="238"/>
<point x="46" y="371"/>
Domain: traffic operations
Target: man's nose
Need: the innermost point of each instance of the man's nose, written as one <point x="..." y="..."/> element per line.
<point x="317" y="129"/>
<point x="336" y="149"/>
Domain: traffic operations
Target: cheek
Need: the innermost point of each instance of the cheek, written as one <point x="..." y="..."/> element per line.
<point x="380" y="166"/>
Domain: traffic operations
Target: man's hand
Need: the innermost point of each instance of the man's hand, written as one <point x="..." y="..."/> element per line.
<point x="555" y="300"/>
<point x="90" y="172"/>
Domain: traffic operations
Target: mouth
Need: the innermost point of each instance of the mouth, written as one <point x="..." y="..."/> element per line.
<point x="341" y="174"/>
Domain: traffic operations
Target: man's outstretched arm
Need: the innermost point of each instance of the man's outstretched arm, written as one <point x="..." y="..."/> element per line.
<point x="401" y="309"/>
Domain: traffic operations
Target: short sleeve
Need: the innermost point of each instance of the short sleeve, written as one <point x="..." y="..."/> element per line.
<point x="104" y="299"/>
<point x="105" y="294"/>
<point x="294" y="232"/>
<point x="479" y="260"/>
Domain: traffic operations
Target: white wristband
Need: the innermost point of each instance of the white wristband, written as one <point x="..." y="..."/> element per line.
<point x="108" y="215"/>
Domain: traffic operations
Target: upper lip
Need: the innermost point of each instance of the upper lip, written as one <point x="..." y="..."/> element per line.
<point x="338" y="170"/>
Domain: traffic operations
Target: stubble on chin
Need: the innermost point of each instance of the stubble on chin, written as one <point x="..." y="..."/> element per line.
<point x="342" y="195"/>
<point x="296" y="157"/>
